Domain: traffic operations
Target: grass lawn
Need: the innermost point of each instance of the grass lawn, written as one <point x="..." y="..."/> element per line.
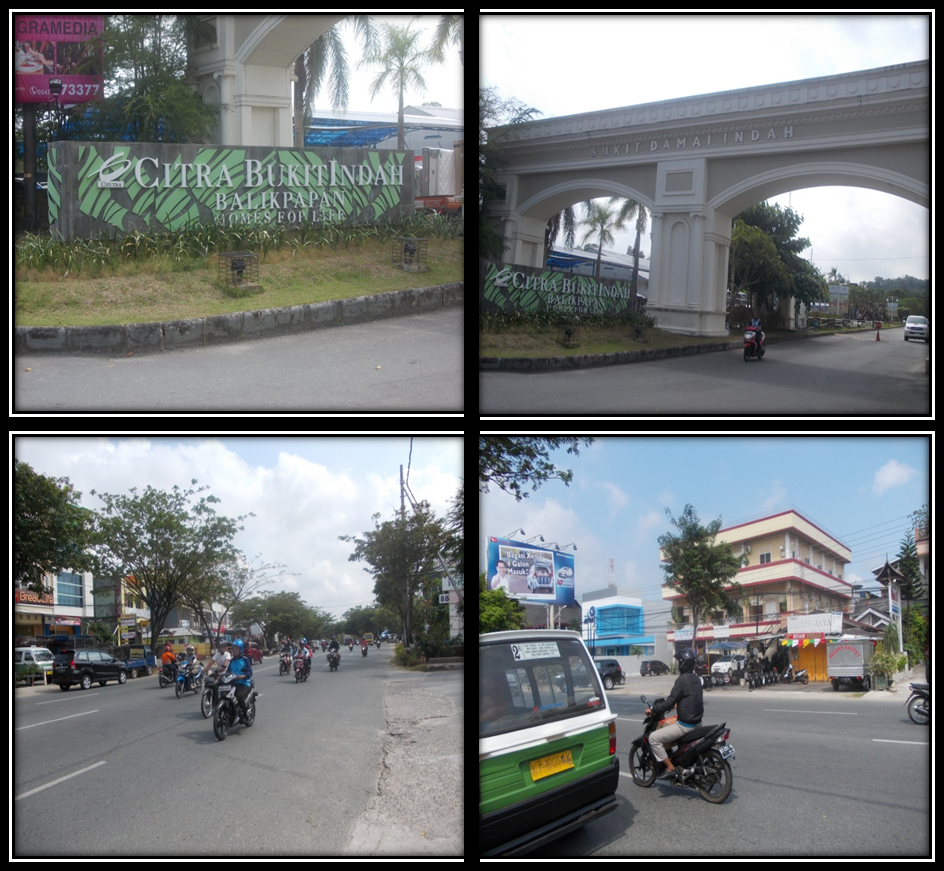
<point x="160" y="289"/>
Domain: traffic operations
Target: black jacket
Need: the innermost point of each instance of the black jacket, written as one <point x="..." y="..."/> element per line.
<point x="687" y="695"/>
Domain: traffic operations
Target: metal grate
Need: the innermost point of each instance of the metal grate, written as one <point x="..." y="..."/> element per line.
<point x="410" y="253"/>
<point x="239" y="268"/>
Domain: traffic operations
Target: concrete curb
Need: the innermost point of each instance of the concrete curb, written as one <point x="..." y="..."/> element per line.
<point x="201" y="332"/>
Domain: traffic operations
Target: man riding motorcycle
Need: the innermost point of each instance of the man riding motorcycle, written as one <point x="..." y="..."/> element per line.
<point x="687" y="694"/>
<point x="169" y="662"/>
<point x="241" y="666"/>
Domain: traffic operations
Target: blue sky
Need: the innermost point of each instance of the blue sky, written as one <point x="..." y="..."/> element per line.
<point x="860" y="490"/>
<point x="305" y="492"/>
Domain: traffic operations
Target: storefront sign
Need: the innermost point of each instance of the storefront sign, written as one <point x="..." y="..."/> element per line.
<point x="103" y="187"/>
<point x="507" y="288"/>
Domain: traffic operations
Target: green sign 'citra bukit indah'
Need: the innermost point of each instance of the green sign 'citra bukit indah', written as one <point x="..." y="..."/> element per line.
<point x="106" y="187"/>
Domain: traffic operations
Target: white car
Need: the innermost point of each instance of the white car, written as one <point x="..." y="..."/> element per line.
<point x="917" y="327"/>
<point x="728" y="664"/>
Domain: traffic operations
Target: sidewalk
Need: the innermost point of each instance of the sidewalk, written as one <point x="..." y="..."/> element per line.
<point x="657" y="686"/>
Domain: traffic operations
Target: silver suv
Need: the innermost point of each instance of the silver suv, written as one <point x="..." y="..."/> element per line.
<point x="917" y="327"/>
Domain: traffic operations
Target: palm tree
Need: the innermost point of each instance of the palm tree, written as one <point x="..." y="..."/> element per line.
<point x="601" y="220"/>
<point x="629" y="210"/>
<point x="312" y="65"/>
<point x="401" y="60"/>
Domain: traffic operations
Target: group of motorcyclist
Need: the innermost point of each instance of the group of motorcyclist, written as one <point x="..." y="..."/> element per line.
<point x="302" y="650"/>
<point x="232" y="660"/>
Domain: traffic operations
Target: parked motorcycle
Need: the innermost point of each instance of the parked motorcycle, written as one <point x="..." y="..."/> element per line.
<point x="792" y="676"/>
<point x="285" y="663"/>
<point x="754" y="344"/>
<point x="227" y="711"/>
<point x="189" y="677"/>
<point x="334" y="659"/>
<point x="700" y="757"/>
<point x="919" y="703"/>
<point x="364" y="649"/>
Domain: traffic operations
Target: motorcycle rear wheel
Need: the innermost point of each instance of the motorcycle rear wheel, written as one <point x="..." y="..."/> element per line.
<point x="713" y="777"/>
<point x="642" y="765"/>
<point x="179" y="689"/>
<point x="220" y="722"/>
<point x="250" y="713"/>
<point x="919" y="717"/>
<point x="206" y="703"/>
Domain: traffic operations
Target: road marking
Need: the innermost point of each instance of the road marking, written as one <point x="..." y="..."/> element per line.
<point x="890" y="741"/>
<point x="788" y="711"/>
<point x="60" y="780"/>
<point x="60" y="719"/>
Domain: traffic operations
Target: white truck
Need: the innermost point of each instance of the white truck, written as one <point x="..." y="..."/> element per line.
<point x="847" y="662"/>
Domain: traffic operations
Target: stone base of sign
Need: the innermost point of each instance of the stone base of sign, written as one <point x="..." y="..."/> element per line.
<point x="118" y="339"/>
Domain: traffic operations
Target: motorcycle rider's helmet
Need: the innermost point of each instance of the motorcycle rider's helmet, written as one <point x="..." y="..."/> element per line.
<point x="686" y="660"/>
<point x="189" y="648"/>
<point x="238" y="647"/>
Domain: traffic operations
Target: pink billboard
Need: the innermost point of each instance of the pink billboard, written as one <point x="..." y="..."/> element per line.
<point x="62" y="47"/>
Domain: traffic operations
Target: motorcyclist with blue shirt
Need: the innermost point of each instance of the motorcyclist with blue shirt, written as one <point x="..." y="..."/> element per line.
<point x="241" y="667"/>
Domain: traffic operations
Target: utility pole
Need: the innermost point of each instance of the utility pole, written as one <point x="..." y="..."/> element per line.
<point x="409" y="604"/>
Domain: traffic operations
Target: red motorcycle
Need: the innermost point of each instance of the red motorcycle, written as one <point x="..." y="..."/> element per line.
<point x="364" y="648"/>
<point x="754" y="342"/>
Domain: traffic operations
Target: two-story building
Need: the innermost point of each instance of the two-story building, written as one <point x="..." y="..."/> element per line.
<point x="791" y="567"/>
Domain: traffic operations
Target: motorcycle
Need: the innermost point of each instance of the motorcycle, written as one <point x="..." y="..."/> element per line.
<point x="210" y="696"/>
<point x="190" y="677"/>
<point x="285" y="663"/>
<point x="226" y="713"/>
<point x="700" y="757"/>
<point x="301" y="670"/>
<point x="791" y="676"/>
<point x="166" y="676"/>
<point x="351" y="647"/>
<point x="334" y="659"/>
<point x="364" y="649"/>
<point x="754" y="345"/>
<point x="919" y="703"/>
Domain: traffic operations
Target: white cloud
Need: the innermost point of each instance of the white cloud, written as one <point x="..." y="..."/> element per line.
<point x="892" y="474"/>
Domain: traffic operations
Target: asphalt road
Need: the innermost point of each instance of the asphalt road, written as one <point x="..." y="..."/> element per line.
<point x="817" y="773"/>
<point x="134" y="771"/>
<point x="832" y="375"/>
<point x="409" y="364"/>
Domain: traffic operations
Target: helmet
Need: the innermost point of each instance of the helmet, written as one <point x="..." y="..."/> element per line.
<point x="304" y="641"/>
<point x="686" y="660"/>
<point x="238" y="647"/>
<point x="189" y="648"/>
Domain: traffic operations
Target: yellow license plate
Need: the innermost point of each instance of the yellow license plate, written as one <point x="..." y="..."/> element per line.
<point x="549" y="765"/>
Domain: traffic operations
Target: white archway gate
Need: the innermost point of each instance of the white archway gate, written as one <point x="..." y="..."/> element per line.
<point x="248" y="70"/>
<point x="698" y="161"/>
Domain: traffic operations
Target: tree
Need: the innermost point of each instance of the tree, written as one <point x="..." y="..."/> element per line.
<point x="910" y="568"/>
<point x="148" y="96"/>
<point x="402" y="60"/>
<point x="601" y="220"/>
<point x="496" y="611"/>
<point x="511" y="461"/>
<point x="699" y="569"/>
<point x="230" y="583"/>
<point x="400" y="553"/>
<point x="164" y="543"/>
<point x="50" y="529"/>
<point x="789" y="274"/>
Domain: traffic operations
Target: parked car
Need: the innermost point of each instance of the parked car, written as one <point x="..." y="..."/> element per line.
<point x="25" y="658"/>
<point x="254" y="650"/>
<point x="547" y="756"/>
<point x="917" y="327"/>
<point x="729" y="664"/>
<point x="84" y="667"/>
<point x="653" y="666"/>
<point x="610" y="672"/>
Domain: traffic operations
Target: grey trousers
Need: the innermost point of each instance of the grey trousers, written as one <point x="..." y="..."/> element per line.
<point x="666" y="737"/>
